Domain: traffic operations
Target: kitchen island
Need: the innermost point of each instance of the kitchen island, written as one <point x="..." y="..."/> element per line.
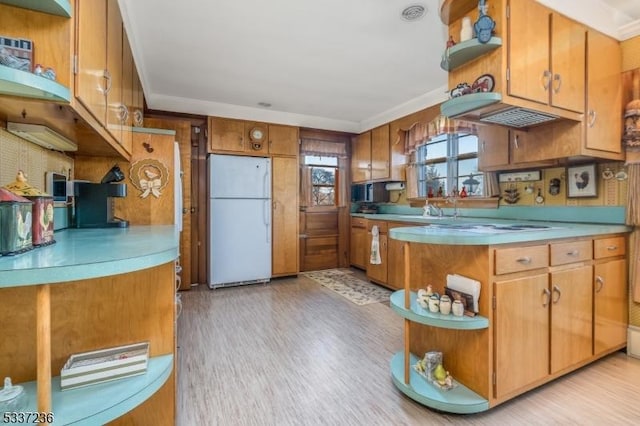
<point x="553" y="299"/>
<point x="92" y="289"/>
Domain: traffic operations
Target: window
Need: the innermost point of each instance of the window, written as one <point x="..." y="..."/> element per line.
<point x="449" y="162"/>
<point x="323" y="179"/>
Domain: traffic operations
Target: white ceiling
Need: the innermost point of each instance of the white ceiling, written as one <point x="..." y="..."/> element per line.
<point x="344" y="65"/>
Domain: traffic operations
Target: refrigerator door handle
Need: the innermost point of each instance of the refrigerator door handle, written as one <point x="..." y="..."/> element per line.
<point x="266" y="207"/>
<point x="265" y="180"/>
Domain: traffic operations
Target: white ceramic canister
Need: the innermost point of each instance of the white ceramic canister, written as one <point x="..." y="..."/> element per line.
<point x="434" y="303"/>
<point x="457" y="308"/>
<point x="445" y="305"/>
<point x="466" y="32"/>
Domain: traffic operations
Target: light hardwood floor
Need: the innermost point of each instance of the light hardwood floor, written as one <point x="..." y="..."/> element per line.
<point x="294" y="353"/>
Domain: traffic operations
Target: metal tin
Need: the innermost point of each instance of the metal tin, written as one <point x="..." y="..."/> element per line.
<point x="42" y="225"/>
<point x="15" y="223"/>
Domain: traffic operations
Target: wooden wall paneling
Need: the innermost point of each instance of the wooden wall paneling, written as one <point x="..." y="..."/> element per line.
<point x="18" y="319"/>
<point x="285" y="216"/>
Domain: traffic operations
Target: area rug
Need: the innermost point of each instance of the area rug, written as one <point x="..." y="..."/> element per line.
<point x="349" y="286"/>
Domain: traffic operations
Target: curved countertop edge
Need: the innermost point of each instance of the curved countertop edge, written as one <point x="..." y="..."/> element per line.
<point x="91" y="253"/>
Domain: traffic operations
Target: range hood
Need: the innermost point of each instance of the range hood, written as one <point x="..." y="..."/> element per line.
<point x="42" y="135"/>
<point x="488" y="108"/>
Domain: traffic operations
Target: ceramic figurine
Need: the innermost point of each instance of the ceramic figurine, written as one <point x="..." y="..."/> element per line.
<point x="485" y="25"/>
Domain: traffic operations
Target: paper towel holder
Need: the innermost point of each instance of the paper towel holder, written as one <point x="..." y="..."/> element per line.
<point x="394" y="186"/>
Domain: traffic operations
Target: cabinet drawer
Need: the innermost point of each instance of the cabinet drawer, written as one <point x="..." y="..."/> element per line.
<point x="575" y="251"/>
<point x="608" y="247"/>
<point x="518" y="259"/>
<point x="382" y="226"/>
<point x="358" y="222"/>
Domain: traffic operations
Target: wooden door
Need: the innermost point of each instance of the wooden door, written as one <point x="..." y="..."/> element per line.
<point x="320" y="250"/>
<point x="91" y="25"/>
<point x="361" y="158"/>
<point x="521" y="333"/>
<point x="610" y="306"/>
<point x="567" y="63"/>
<point x="493" y="147"/>
<point x="604" y="91"/>
<point x="127" y="92"/>
<point x="358" y="247"/>
<point x="115" y="104"/>
<point x="283" y="140"/>
<point x="571" y="317"/>
<point x="285" y="216"/>
<point x="380" y="154"/>
<point x="528" y="54"/>
<point x="226" y="134"/>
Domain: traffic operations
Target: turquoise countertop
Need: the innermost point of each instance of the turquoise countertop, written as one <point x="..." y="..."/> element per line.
<point x="439" y="231"/>
<point x="91" y="253"/>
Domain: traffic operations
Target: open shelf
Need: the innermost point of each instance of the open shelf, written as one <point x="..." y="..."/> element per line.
<point x="103" y="402"/>
<point x="422" y="316"/>
<point x="459" y="400"/>
<point x="465" y="103"/>
<point x="467" y="51"/>
<point x="14" y="82"/>
<point x="52" y="7"/>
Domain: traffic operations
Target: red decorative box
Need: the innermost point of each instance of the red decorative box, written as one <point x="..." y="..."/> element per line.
<point x="42" y="226"/>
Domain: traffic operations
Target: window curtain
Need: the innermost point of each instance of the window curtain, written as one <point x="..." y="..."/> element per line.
<point x="305" y="186"/>
<point x="421" y="132"/>
<point x="336" y="147"/>
<point x="321" y="148"/>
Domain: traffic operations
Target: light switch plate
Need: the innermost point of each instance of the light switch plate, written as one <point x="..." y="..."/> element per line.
<point x="524" y="176"/>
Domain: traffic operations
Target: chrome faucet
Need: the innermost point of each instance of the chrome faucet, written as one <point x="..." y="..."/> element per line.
<point x="433" y="208"/>
<point x="454" y="201"/>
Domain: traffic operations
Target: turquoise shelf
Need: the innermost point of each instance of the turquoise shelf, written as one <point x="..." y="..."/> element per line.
<point x="466" y="103"/>
<point x="101" y="403"/>
<point x="467" y="51"/>
<point x="52" y="7"/>
<point x="14" y="82"/>
<point x="459" y="400"/>
<point x="423" y="316"/>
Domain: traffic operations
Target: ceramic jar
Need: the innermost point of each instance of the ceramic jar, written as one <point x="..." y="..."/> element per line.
<point x="457" y="308"/>
<point x="466" y="32"/>
<point x="445" y="305"/>
<point x="434" y="303"/>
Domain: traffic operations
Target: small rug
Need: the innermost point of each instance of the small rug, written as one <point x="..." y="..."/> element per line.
<point x="349" y="286"/>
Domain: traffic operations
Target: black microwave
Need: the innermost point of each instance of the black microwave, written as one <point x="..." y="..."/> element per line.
<point x="373" y="192"/>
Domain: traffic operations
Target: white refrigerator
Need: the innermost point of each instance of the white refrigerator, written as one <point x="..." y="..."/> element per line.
<point x="239" y="220"/>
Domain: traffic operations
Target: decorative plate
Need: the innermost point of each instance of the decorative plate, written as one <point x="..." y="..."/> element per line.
<point x="484" y="83"/>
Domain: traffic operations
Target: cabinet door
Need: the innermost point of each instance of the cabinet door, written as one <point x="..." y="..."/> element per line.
<point x="493" y="147"/>
<point x="571" y="317"/>
<point x="92" y="57"/>
<point x="115" y="112"/>
<point x="283" y="140"/>
<point x="604" y="93"/>
<point x="285" y="216"/>
<point x="521" y="333"/>
<point x="528" y="44"/>
<point x="358" y="249"/>
<point x="567" y="63"/>
<point x="380" y="152"/>
<point x="378" y="272"/>
<point x="361" y="158"/>
<point x="610" y="305"/>
<point x="226" y="135"/>
<point x="127" y="92"/>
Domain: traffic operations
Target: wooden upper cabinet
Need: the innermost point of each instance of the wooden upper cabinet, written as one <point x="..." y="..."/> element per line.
<point x="380" y="163"/>
<point x="493" y="147"/>
<point x="115" y="104"/>
<point x="283" y="140"/>
<point x="361" y="158"/>
<point x="546" y="56"/>
<point x="226" y="134"/>
<point x="603" y="122"/>
<point x="91" y="84"/>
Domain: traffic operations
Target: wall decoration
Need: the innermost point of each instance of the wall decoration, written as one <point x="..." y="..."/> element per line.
<point x="149" y="176"/>
<point x="581" y="181"/>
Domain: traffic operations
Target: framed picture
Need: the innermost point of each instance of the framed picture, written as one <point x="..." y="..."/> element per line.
<point x="581" y="181"/>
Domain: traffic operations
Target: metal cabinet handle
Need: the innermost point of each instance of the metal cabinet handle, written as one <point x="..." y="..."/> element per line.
<point x="592" y="118"/>
<point x="545" y="79"/>
<point x="573" y="253"/>
<point x="599" y="283"/>
<point x="107" y="76"/>
<point x="547" y="297"/>
<point x="557" y="291"/>
<point x="557" y="78"/>
<point x="483" y="146"/>
<point x="516" y="139"/>
<point x="612" y="248"/>
<point x="524" y="260"/>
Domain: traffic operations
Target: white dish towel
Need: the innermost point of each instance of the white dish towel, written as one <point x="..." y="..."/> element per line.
<point x="375" y="259"/>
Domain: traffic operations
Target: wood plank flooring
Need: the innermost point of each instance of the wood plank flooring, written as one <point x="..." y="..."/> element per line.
<point x="294" y="353"/>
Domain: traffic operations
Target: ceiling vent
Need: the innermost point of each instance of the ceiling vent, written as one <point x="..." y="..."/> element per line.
<point x="413" y="12"/>
<point x="517" y="117"/>
<point x="43" y="136"/>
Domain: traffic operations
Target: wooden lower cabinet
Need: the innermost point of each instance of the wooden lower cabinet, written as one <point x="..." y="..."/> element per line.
<point x="610" y="306"/>
<point x="377" y="272"/>
<point x="358" y="243"/>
